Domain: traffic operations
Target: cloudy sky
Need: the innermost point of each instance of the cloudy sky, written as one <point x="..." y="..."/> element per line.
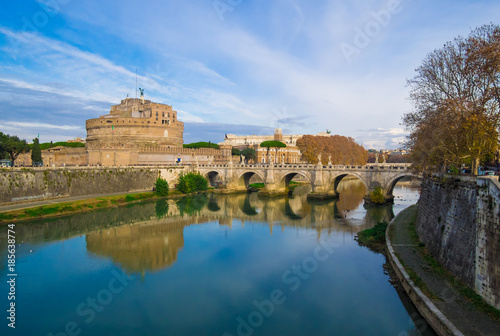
<point x="228" y="66"/>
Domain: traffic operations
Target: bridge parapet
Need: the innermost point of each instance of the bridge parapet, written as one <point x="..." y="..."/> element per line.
<point x="324" y="179"/>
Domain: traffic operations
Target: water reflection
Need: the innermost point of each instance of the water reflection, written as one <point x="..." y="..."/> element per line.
<point x="237" y="256"/>
<point x="147" y="237"/>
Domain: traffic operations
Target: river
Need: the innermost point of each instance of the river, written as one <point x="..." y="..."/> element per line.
<point x="210" y="265"/>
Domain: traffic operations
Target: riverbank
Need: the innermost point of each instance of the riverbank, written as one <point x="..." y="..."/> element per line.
<point x="63" y="207"/>
<point x="450" y="307"/>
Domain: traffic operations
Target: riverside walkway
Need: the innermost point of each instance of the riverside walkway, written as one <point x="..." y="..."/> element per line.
<point x="459" y="315"/>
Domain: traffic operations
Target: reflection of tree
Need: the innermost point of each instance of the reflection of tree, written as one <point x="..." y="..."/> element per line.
<point x="161" y="208"/>
<point x="191" y="205"/>
<point x="351" y="194"/>
<point x="378" y="214"/>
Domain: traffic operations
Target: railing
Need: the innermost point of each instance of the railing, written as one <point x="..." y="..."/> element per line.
<point x="312" y="167"/>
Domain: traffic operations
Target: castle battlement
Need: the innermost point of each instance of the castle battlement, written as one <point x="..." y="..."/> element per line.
<point x="134" y="124"/>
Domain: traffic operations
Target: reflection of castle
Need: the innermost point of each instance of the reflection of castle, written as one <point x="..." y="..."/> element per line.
<point x="148" y="237"/>
<point x="139" y="248"/>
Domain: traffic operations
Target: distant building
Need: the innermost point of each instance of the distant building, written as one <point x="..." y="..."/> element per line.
<point x="243" y="141"/>
<point x="289" y="154"/>
<point x="78" y="139"/>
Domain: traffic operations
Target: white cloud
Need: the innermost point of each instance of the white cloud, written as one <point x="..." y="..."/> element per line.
<point x="16" y="124"/>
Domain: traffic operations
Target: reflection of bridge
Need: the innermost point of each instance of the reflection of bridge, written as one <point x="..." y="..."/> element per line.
<point x="324" y="180"/>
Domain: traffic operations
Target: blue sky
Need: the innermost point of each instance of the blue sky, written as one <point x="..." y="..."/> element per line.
<point x="228" y="66"/>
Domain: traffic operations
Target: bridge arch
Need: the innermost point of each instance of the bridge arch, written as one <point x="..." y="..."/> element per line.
<point x="285" y="179"/>
<point x="214" y="177"/>
<point x="244" y="178"/>
<point x="336" y="179"/>
<point x="389" y="187"/>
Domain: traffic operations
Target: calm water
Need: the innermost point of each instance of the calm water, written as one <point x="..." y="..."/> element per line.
<point x="211" y="265"/>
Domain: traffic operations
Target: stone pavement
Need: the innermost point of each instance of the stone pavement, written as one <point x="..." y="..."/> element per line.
<point x="455" y="307"/>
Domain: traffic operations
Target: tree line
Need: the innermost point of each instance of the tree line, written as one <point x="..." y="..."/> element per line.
<point x="337" y="149"/>
<point x="11" y="147"/>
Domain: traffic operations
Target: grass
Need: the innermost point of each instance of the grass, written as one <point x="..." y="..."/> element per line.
<point x="468" y="293"/>
<point x="373" y="238"/>
<point x="257" y="185"/>
<point x="464" y="290"/>
<point x="418" y="280"/>
<point x="291" y="185"/>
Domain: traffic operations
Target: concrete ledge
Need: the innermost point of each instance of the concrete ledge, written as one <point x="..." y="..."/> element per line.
<point x="427" y="309"/>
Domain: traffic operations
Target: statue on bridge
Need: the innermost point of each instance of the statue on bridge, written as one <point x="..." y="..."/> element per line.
<point x="319" y="159"/>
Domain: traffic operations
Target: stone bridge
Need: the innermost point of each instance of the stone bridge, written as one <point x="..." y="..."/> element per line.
<point x="323" y="179"/>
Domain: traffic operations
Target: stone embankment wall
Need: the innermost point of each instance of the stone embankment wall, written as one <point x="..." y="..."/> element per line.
<point x="458" y="220"/>
<point x="41" y="183"/>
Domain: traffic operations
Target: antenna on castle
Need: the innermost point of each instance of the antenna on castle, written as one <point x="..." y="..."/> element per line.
<point x="135" y="83"/>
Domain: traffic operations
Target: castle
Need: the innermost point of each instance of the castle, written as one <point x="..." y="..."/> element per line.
<point x="135" y="132"/>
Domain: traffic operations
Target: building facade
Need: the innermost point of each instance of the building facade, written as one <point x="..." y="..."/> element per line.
<point x="289" y="154"/>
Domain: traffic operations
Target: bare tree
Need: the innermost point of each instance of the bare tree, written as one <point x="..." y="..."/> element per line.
<point x="456" y="102"/>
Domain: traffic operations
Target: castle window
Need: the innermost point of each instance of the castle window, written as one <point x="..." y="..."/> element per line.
<point x="163" y="114"/>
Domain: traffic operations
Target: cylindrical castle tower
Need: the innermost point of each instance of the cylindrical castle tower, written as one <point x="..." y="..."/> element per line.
<point x="134" y="124"/>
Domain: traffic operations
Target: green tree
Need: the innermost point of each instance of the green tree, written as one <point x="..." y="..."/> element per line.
<point x="201" y="144"/>
<point x="249" y="154"/>
<point x="377" y="196"/>
<point x="272" y="144"/>
<point x="36" y="153"/>
<point x="13" y="146"/>
<point x="191" y="182"/>
<point x="161" y="187"/>
<point x="235" y="151"/>
<point x="456" y="97"/>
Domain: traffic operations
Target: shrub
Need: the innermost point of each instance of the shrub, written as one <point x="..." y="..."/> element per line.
<point x="129" y="198"/>
<point x="377" y="196"/>
<point x="192" y="182"/>
<point x="161" y="187"/>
